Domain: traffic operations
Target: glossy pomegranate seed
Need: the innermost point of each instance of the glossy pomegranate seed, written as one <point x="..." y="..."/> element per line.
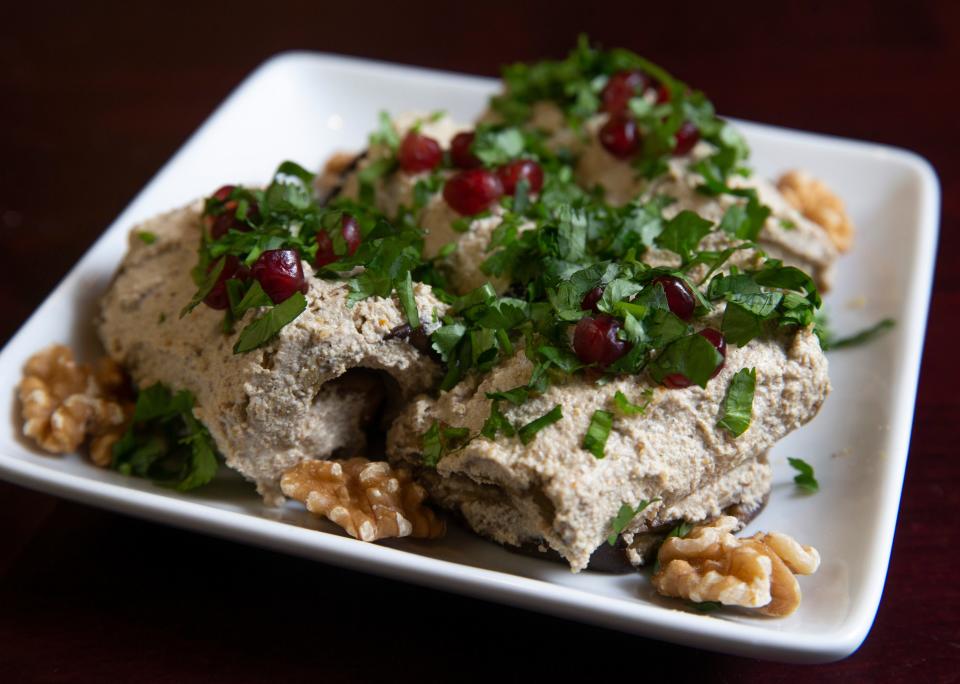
<point x="687" y="136"/>
<point x="280" y="274"/>
<point x="460" y="153"/>
<point x="419" y="153"/>
<point x="679" y="298"/>
<point x="350" y="230"/>
<point x="223" y="193"/>
<point x="511" y="174"/>
<point x="715" y="337"/>
<point x="595" y="340"/>
<point x="620" y="137"/>
<point x="470" y="192"/>
<point x="621" y="87"/>
<point x="589" y="302"/>
<point x="217" y="297"/>
<point x="663" y="95"/>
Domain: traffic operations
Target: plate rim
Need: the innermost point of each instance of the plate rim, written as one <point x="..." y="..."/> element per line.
<point x="529" y="593"/>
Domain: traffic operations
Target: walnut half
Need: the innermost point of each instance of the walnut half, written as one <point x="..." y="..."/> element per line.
<point x="818" y="203"/>
<point x="64" y="403"/>
<point x="368" y="499"/>
<point x="710" y="564"/>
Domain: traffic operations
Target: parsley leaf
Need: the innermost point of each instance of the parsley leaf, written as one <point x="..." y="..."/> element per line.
<point x="165" y="442"/>
<point x="623" y="518"/>
<point x="266" y="327"/>
<point x="805" y="479"/>
<point x="528" y="432"/>
<point x="597" y="433"/>
<point x="627" y="408"/>
<point x="693" y="357"/>
<point x="738" y="404"/>
<point x="683" y="233"/>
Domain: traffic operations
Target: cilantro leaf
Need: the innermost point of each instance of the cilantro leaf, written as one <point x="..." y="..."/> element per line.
<point x="263" y="329"/>
<point x="597" y="433"/>
<point x="528" y="432"/>
<point x="407" y="301"/>
<point x="146" y="237"/>
<point x="683" y="233"/>
<point x="494" y="146"/>
<point x="165" y="442"/>
<point x="254" y="297"/>
<point x="693" y="357"/>
<point x="805" y="479"/>
<point x="206" y="285"/>
<point x="497" y="422"/>
<point x="627" y="408"/>
<point x="623" y="518"/>
<point x="738" y="404"/>
<point x="439" y="440"/>
<point x="829" y="342"/>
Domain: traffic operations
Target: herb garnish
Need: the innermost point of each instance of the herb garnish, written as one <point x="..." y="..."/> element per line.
<point x="165" y="442"/>
<point x="528" y="432"/>
<point x="804" y="479"/>
<point x="596" y="438"/>
<point x="738" y="404"/>
<point x="828" y="341"/>
<point x="626" y="514"/>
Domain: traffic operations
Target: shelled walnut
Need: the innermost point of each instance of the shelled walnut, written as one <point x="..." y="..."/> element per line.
<point x="818" y="203"/>
<point x="710" y="564"/>
<point x="368" y="499"/>
<point x="63" y="403"/>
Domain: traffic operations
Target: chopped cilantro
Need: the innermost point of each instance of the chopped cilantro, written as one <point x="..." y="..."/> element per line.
<point x="528" y="432"/>
<point x="738" y="404"/>
<point x="440" y="439"/>
<point x="627" y="408"/>
<point x="829" y="342"/>
<point x="146" y="237"/>
<point x="693" y="357"/>
<point x="597" y="433"/>
<point x="804" y="479"/>
<point x="165" y="442"/>
<point x="623" y="518"/>
<point x="266" y="327"/>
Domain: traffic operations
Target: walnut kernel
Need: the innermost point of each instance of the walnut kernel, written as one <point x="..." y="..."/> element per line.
<point x="818" y="203"/>
<point x="63" y="403"/>
<point x="368" y="499"/>
<point x="710" y="564"/>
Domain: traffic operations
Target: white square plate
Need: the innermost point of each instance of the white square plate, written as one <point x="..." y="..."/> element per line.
<point x="305" y="106"/>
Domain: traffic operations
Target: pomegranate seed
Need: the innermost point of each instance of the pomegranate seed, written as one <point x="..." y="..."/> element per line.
<point x="511" y="174"/>
<point x="687" y="136"/>
<point x="223" y="193"/>
<point x="620" y="137"/>
<point x="419" y="153"/>
<point x="460" y="153"/>
<point x="679" y="298"/>
<point x="715" y="337"/>
<point x="217" y="297"/>
<point x="621" y="87"/>
<point x="470" y="192"/>
<point x="350" y="230"/>
<point x="280" y="274"/>
<point x="595" y="340"/>
<point x="663" y="95"/>
<point x="589" y="302"/>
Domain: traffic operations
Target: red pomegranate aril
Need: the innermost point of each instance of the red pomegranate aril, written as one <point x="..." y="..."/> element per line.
<point x="715" y="337"/>
<point x="663" y="94"/>
<point x="280" y="274"/>
<point x="595" y="340"/>
<point x="350" y="230"/>
<point x="620" y="137"/>
<point x="419" y="153"/>
<point x="687" y="136"/>
<point x="223" y="193"/>
<point x="470" y="192"/>
<point x="589" y="302"/>
<point x="679" y="298"/>
<point x="621" y="87"/>
<point x="511" y="174"/>
<point x="217" y="297"/>
<point x="460" y="153"/>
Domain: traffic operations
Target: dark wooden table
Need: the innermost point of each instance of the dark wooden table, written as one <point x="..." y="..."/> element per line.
<point x="92" y="102"/>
